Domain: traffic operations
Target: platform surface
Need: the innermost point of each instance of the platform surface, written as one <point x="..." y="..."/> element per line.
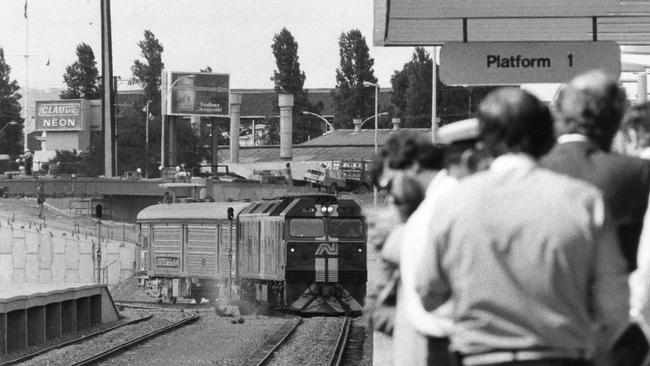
<point x="8" y="290"/>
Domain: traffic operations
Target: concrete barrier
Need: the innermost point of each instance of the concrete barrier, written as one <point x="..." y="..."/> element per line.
<point x="33" y="256"/>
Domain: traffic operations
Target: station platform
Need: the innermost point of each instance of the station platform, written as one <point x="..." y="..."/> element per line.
<point x="33" y="314"/>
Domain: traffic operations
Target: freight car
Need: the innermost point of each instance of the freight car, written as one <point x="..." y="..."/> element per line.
<point x="189" y="247"/>
<point x="303" y="253"/>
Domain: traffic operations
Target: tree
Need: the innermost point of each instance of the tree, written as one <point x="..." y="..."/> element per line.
<point x="412" y="94"/>
<point x="352" y="99"/>
<point x="82" y="77"/>
<point x="289" y="79"/>
<point x="12" y="137"/>
<point x="412" y="89"/>
<point x="148" y="75"/>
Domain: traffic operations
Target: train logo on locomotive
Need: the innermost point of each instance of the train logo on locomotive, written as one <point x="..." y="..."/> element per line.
<point x="326" y="262"/>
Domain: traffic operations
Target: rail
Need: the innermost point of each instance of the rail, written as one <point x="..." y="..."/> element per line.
<point x="113" y="350"/>
<point x="265" y="353"/>
<point x="336" y="358"/>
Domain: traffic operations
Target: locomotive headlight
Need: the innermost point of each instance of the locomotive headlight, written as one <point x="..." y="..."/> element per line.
<point x="360" y="250"/>
<point x="292" y="249"/>
<point x="330" y="209"/>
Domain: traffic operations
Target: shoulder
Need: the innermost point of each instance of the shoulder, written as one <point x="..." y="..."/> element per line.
<point x="578" y="192"/>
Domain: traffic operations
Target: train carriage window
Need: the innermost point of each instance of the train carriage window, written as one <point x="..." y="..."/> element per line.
<point x="345" y="228"/>
<point x="306" y="227"/>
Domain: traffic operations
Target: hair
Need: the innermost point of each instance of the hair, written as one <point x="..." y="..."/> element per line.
<point x="407" y="195"/>
<point x="592" y="104"/>
<point x="403" y="150"/>
<point x="637" y="117"/>
<point x="513" y="120"/>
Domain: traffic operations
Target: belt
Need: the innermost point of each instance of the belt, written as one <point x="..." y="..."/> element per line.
<point x="510" y="356"/>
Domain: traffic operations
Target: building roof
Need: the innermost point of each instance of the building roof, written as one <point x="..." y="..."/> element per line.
<point x="337" y="145"/>
<point x="365" y="137"/>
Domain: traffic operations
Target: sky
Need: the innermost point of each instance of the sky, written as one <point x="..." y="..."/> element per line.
<point x="231" y="36"/>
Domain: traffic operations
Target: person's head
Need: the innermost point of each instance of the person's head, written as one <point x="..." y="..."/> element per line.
<point x="406" y="195"/>
<point x="461" y="155"/>
<point x="409" y="154"/>
<point x="636" y="125"/>
<point x="139" y="170"/>
<point x="592" y="104"/>
<point x="512" y="120"/>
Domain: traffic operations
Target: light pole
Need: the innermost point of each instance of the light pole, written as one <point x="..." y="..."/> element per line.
<point x="329" y="125"/>
<point x="162" y="129"/>
<point x="146" y="139"/>
<point x="369" y="118"/>
<point x="368" y="84"/>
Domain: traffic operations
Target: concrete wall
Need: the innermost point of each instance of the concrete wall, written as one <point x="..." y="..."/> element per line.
<point x="36" y="255"/>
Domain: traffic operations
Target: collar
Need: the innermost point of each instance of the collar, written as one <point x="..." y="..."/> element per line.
<point x="572" y="137"/>
<point x="513" y="161"/>
<point x="438" y="182"/>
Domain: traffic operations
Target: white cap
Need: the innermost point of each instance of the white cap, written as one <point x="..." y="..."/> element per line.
<point x="466" y="129"/>
<point x="139" y="170"/>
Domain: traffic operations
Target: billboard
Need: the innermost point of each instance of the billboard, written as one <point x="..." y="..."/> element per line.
<point x="196" y="93"/>
<point x="59" y="115"/>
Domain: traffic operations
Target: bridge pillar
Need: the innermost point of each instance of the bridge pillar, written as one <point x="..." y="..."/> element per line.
<point x="235" y="111"/>
<point x="285" y="101"/>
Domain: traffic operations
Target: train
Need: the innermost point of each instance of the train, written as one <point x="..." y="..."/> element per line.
<point x="304" y="254"/>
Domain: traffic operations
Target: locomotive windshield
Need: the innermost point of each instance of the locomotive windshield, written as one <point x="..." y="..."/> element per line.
<point x="306" y="227"/>
<point x="345" y="228"/>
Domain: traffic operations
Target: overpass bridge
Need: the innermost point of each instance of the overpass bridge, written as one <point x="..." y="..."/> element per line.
<point x="122" y="199"/>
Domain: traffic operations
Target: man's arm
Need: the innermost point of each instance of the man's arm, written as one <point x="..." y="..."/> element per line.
<point x="418" y="237"/>
<point x="610" y="291"/>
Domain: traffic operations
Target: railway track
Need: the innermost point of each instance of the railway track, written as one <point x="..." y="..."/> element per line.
<point x="71" y="342"/>
<point x="338" y="355"/>
<point x="161" y="305"/>
<point x="336" y="358"/>
<point x="265" y="353"/>
<point x="122" y="346"/>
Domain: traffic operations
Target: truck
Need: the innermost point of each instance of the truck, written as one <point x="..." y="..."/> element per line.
<point x="341" y="175"/>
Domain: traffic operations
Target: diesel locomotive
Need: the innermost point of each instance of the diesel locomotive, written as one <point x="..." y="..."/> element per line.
<point x="305" y="254"/>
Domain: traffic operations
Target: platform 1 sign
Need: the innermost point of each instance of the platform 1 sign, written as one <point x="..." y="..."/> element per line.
<point x="496" y="63"/>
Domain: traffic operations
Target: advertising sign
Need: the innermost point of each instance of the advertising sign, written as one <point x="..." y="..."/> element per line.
<point x="60" y="115"/>
<point x="494" y="63"/>
<point x="197" y="93"/>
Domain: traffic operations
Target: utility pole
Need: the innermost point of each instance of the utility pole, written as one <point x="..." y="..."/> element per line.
<point x="108" y="121"/>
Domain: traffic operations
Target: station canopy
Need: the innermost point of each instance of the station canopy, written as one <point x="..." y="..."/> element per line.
<point x="435" y="22"/>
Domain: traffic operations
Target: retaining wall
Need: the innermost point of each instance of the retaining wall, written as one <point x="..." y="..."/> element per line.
<point x="35" y="254"/>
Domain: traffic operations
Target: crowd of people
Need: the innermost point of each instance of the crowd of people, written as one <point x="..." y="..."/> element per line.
<point x="526" y="240"/>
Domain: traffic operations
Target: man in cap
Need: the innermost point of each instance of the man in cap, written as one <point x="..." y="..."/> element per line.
<point x="460" y="160"/>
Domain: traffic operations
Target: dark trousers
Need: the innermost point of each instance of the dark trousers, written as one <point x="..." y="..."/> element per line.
<point x="438" y="352"/>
